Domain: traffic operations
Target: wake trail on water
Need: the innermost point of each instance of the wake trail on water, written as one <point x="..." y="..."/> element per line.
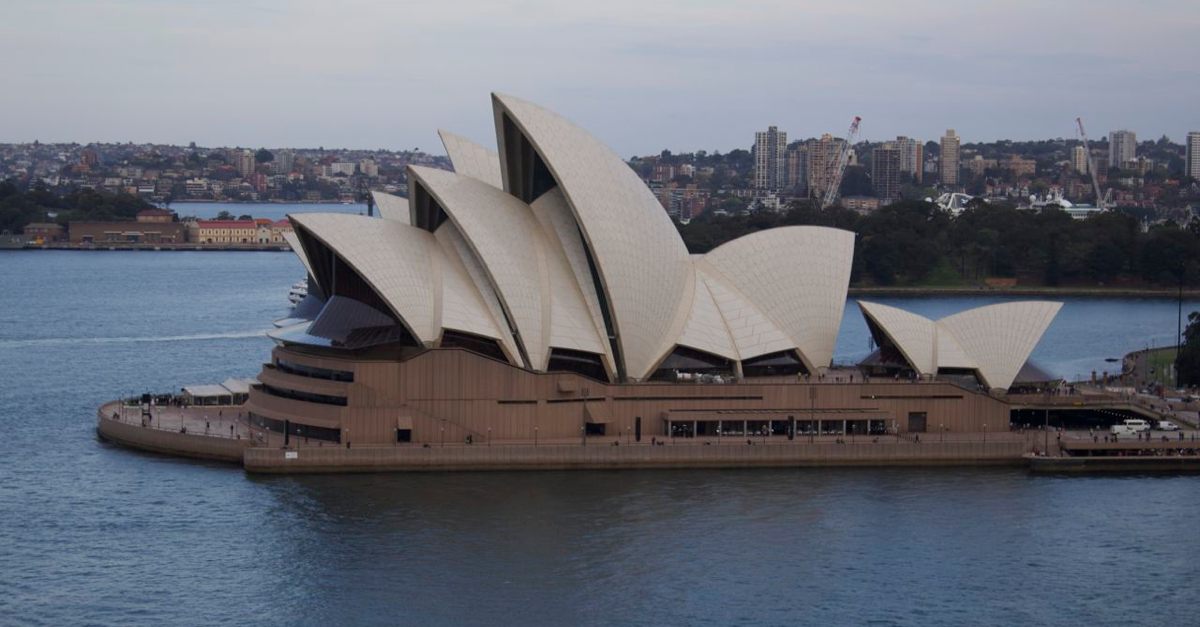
<point x="65" y="341"/>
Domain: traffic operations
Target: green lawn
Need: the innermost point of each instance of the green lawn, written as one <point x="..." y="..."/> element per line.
<point x="1161" y="361"/>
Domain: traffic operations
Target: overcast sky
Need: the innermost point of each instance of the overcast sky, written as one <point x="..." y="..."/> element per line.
<point x="642" y="75"/>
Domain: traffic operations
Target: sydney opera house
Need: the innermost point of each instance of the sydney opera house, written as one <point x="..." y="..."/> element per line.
<point x="541" y="292"/>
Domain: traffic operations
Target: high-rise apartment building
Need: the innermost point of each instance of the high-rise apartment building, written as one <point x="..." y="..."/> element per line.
<point x="796" y="169"/>
<point x="912" y="156"/>
<point x="1079" y="159"/>
<point x="885" y="171"/>
<point x="285" y="160"/>
<point x="245" y="163"/>
<point x="769" y="159"/>
<point x="822" y="158"/>
<point x="1192" y="164"/>
<point x="1122" y="147"/>
<point x="948" y="162"/>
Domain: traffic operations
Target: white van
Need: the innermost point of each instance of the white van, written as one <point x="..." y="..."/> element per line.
<point x="1130" y="426"/>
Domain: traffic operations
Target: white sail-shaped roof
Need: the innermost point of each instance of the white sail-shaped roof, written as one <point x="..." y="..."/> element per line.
<point x="706" y="329"/>
<point x="293" y="241"/>
<point x="572" y="324"/>
<point x="999" y="338"/>
<point x="459" y="254"/>
<point x="555" y="216"/>
<point x="797" y="276"/>
<point x="471" y="159"/>
<point x="505" y="236"/>
<point x="394" y="258"/>
<point x="994" y="340"/>
<point x="555" y="243"/>
<point x="753" y="334"/>
<point x="391" y="207"/>
<point x="913" y="335"/>
<point x="643" y="266"/>
<point x="463" y="307"/>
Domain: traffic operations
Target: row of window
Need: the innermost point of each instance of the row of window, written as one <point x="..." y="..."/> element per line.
<point x="308" y="397"/>
<point x="313" y="372"/>
<point x="295" y="428"/>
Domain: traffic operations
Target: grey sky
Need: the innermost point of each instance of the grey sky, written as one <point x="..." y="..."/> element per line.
<point x="642" y="75"/>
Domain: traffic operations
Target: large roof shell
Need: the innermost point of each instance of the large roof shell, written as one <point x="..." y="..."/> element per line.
<point x="459" y="256"/>
<point x="391" y="207"/>
<point x="471" y="159"/>
<point x="999" y="338"/>
<point x="398" y="261"/>
<point x="914" y="336"/>
<point x="797" y="276"/>
<point x="994" y="340"/>
<point x="504" y="235"/>
<point x="293" y="241"/>
<point x="644" y="270"/>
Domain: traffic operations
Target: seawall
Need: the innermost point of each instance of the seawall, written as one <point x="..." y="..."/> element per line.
<point x="576" y="457"/>
<point x="209" y="447"/>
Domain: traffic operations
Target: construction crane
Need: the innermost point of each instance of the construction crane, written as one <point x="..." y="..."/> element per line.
<point x="1101" y="201"/>
<point x="839" y="167"/>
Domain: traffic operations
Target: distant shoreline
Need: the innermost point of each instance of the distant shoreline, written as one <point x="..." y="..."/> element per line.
<point x="1098" y="292"/>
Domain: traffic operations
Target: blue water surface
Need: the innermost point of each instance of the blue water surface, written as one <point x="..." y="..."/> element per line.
<point x="93" y="534"/>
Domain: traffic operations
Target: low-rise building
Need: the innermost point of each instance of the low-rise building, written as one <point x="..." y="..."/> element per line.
<point x="127" y="232"/>
<point x="44" y="232"/>
<point x="224" y="231"/>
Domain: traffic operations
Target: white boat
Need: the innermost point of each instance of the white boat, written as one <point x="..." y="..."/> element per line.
<point x="298" y="292"/>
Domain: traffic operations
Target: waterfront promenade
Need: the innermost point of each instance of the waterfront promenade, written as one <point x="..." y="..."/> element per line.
<point x="219" y="433"/>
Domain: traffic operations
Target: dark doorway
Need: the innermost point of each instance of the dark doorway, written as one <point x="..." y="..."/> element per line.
<point x="404" y="435"/>
<point x="916" y="422"/>
<point x="637" y="429"/>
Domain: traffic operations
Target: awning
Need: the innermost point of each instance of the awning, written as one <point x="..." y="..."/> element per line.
<point x="205" y="391"/>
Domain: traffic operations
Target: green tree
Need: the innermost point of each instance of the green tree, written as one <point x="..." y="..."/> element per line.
<point x="264" y="156"/>
<point x="224" y="215"/>
<point x="1187" y="363"/>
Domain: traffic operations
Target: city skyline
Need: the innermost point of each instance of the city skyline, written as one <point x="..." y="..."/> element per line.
<point x="312" y="74"/>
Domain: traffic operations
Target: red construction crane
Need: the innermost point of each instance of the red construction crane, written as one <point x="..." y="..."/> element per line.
<point x="835" y="177"/>
<point x="1101" y="201"/>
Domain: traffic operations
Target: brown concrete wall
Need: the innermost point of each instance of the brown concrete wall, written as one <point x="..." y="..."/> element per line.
<point x="171" y="442"/>
<point x="547" y="457"/>
<point x="452" y="393"/>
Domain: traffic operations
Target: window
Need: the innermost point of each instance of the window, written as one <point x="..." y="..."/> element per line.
<point x="308" y="397"/>
<point x="302" y="370"/>
<point x="474" y="343"/>
<point x="580" y="362"/>
<point x="773" y="365"/>
<point x="296" y="428"/>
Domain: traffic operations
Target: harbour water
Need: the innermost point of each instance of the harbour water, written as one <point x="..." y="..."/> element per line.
<point x="94" y="534"/>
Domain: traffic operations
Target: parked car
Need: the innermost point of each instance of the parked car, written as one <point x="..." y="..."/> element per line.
<point x="1130" y="426"/>
<point x="1167" y="425"/>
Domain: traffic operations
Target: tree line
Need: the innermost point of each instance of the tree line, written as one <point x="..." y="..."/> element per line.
<point x="19" y="208"/>
<point x="915" y="243"/>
